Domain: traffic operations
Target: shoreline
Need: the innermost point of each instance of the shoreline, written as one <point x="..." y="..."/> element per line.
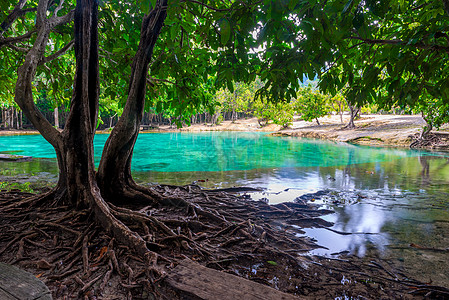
<point x="371" y="130"/>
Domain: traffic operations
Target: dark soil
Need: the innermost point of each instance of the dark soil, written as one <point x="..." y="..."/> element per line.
<point x="78" y="259"/>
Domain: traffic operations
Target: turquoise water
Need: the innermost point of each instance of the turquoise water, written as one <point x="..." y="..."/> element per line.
<point x="220" y="151"/>
<point x="384" y="199"/>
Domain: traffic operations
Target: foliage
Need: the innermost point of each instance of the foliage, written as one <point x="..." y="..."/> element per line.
<point x="370" y="108"/>
<point x="373" y="55"/>
<point x="22" y="187"/>
<point x="280" y="113"/>
<point x="311" y="104"/>
<point x="434" y="111"/>
<point x="389" y="52"/>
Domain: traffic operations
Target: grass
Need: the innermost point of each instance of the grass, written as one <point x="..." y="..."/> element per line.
<point x="22" y="187"/>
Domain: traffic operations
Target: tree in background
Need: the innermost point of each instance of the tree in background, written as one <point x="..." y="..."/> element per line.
<point x="387" y="52"/>
<point x="338" y="104"/>
<point x="312" y="104"/>
<point x="435" y="112"/>
<point x="281" y="113"/>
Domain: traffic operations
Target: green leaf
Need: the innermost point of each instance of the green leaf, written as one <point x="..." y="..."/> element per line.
<point x="153" y="3"/>
<point x="347" y="6"/>
<point x="225" y="30"/>
<point x="144" y="6"/>
<point x="272" y="263"/>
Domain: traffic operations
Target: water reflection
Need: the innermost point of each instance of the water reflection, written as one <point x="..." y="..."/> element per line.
<point x="384" y="199"/>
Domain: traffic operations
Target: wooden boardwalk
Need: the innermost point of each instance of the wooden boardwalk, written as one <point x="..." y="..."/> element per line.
<point x="16" y="284"/>
<point x="194" y="281"/>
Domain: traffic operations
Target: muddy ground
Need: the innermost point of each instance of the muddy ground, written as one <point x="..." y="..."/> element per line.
<point x="77" y="259"/>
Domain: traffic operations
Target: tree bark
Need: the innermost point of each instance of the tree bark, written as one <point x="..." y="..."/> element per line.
<point x="26" y="72"/>
<point x="353" y="111"/>
<point x="56" y="117"/>
<point x="17" y="118"/>
<point x="114" y="172"/>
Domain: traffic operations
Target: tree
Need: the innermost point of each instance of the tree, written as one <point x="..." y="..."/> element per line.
<point x="311" y="104"/>
<point x="385" y="51"/>
<point x="216" y="36"/>
<point x="338" y="104"/>
<point x="280" y="113"/>
<point x="435" y="112"/>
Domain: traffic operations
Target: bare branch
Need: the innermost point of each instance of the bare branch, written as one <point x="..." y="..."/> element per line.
<point x="57" y="54"/>
<point x="208" y="6"/>
<point x="152" y="80"/>
<point x="13" y="40"/>
<point x="14" y="15"/>
<point x="55" y="13"/>
<point x="400" y="42"/>
<point x="18" y="49"/>
<point x="55" y="21"/>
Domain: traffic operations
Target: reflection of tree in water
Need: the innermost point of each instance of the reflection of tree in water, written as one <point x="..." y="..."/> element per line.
<point x="425" y="173"/>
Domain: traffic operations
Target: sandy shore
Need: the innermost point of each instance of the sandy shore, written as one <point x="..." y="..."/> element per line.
<point x="378" y="130"/>
<point x="385" y="130"/>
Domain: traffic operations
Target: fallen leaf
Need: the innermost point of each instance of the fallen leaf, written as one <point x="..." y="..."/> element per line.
<point x="272" y="263"/>
<point x="102" y="253"/>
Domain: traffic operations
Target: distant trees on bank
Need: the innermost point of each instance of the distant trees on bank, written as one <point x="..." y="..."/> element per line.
<point x="310" y="104"/>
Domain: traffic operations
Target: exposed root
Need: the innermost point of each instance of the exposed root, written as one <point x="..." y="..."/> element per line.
<point x="129" y="250"/>
<point x="429" y="141"/>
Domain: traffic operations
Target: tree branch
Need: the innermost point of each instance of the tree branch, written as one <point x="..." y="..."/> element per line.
<point x="55" y="20"/>
<point x="41" y="14"/>
<point x="14" y="15"/>
<point x="13" y="40"/>
<point x="26" y="74"/>
<point x="208" y="6"/>
<point x="57" y="9"/>
<point x="399" y="42"/>
<point x="57" y="54"/>
<point x="18" y="49"/>
<point x="151" y="80"/>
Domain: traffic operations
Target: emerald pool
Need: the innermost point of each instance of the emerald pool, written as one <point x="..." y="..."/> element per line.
<point x="218" y="151"/>
<point x="384" y="199"/>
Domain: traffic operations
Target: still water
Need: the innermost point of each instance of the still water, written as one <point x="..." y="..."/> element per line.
<point x="388" y="203"/>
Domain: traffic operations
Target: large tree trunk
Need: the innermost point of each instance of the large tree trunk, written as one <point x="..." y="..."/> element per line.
<point x="74" y="146"/>
<point x="77" y="184"/>
<point x="114" y="173"/>
<point x="76" y="153"/>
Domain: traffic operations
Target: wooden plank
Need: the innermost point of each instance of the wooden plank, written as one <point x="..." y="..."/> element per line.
<point x="5" y="296"/>
<point x="21" y="284"/>
<point x="197" y="282"/>
<point x="11" y="157"/>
